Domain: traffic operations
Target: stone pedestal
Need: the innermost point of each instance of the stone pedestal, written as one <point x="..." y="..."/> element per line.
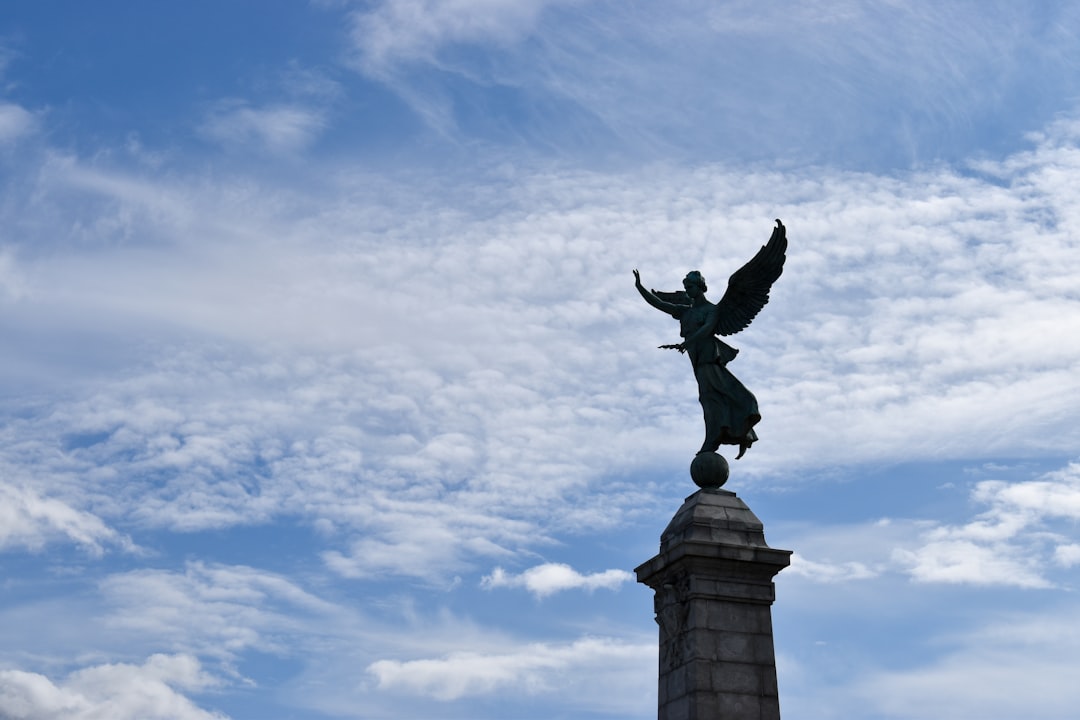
<point x="713" y="580"/>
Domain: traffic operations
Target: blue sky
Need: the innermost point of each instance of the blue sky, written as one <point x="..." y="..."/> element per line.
<point x="327" y="393"/>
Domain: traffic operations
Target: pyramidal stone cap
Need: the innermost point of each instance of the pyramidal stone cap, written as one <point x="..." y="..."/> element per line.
<point x="716" y="527"/>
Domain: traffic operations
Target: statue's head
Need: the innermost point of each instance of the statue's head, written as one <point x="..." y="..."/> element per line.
<point x="695" y="279"/>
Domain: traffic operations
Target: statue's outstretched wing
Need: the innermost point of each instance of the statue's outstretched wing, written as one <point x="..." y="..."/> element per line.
<point x="748" y="289"/>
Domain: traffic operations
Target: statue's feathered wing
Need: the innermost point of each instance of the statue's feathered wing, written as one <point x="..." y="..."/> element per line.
<point x="748" y="289"/>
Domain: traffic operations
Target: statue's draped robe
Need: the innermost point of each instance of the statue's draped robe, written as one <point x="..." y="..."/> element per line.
<point x="731" y="411"/>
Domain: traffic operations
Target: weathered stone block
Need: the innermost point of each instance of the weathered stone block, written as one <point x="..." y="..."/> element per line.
<point x="763" y="651"/>
<point x="678" y="709"/>
<point x="734" y="647"/>
<point x="734" y="617"/>
<point x="698" y="616"/>
<point x="676" y="685"/>
<point x="704" y="706"/>
<point x="770" y="707"/>
<point x="768" y="681"/>
<point x="738" y="706"/>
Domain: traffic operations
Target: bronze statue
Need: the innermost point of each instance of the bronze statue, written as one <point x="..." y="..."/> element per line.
<point x="731" y="411"/>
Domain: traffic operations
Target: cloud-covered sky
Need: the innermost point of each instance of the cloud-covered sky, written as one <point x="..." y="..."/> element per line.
<point x="327" y="393"/>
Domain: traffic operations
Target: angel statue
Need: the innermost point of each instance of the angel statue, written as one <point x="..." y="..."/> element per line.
<point x="731" y="411"/>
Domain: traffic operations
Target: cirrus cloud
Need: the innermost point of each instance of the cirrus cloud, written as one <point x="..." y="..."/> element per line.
<point x="280" y="129"/>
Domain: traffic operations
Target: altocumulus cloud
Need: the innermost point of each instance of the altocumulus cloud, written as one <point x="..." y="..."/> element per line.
<point x="550" y="578"/>
<point x="368" y="359"/>
<point x="441" y="374"/>
<point x="29" y="520"/>
<point x="294" y="351"/>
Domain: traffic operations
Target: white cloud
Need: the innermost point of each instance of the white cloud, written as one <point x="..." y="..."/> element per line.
<point x="1014" y="666"/>
<point x="533" y="669"/>
<point x="436" y="547"/>
<point x="441" y="373"/>
<point x="1021" y="534"/>
<point x="1067" y="555"/>
<point x="212" y="610"/>
<point x="226" y="614"/>
<point x="29" y="520"/>
<point x="1019" y="538"/>
<point x="959" y="561"/>
<point x="117" y="691"/>
<point x="695" y="79"/>
<point x="237" y="619"/>
<point x="1056" y="495"/>
<point x="11" y="284"/>
<point x="281" y="129"/>
<point x="370" y="355"/>
<point x="397" y="31"/>
<point x="1008" y="544"/>
<point x="830" y="572"/>
<point x="550" y="578"/>
<point x="15" y="122"/>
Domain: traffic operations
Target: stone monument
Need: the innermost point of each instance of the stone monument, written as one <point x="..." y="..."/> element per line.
<point x="713" y="576"/>
<point x="713" y="580"/>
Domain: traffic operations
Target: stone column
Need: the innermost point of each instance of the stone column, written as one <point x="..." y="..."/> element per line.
<point x="713" y="580"/>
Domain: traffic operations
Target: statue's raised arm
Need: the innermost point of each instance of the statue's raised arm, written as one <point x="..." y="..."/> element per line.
<point x="653" y="298"/>
<point x="730" y="409"/>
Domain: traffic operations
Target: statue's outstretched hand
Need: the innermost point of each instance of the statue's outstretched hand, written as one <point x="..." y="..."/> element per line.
<point x="637" y="278"/>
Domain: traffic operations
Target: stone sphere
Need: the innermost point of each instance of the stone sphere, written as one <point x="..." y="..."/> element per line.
<point x="709" y="470"/>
